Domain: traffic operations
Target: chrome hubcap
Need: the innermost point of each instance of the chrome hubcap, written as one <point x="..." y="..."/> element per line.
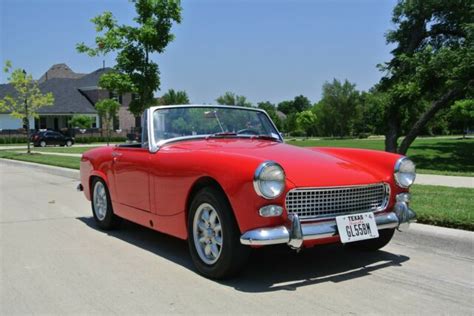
<point x="207" y="233"/>
<point x="100" y="200"/>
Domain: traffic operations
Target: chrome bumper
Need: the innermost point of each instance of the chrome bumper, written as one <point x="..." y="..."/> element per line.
<point x="295" y="232"/>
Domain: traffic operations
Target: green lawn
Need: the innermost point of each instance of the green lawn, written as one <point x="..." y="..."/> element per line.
<point x="443" y="206"/>
<point x="446" y="156"/>
<point x="68" y="150"/>
<point x="60" y="161"/>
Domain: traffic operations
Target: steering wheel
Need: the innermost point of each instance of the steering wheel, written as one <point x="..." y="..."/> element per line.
<point x="248" y="131"/>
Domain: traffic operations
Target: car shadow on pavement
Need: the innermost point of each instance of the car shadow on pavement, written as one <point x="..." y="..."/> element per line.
<point x="269" y="269"/>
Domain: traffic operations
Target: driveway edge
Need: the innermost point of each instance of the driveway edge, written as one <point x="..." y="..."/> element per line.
<point x="59" y="171"/>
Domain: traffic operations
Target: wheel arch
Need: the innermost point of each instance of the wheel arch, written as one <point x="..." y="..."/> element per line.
<point x="204" y="182"/>
<point x="99" y="175"/>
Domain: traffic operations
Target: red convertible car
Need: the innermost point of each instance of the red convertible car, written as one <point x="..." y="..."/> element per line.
<point x="222" y="178"/>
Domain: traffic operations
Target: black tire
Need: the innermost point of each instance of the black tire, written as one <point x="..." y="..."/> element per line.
<point x="68" y="143"/>
<point x="109" y="220"/>
<point x="233" y="255"/>
<point x="385" y="236"/>
<point x="42" y="143"/>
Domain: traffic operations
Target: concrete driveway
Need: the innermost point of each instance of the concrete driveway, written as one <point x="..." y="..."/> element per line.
<point x="54" y="260"/>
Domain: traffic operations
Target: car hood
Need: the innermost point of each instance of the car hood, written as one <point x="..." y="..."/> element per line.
<point x="304" y="167"/>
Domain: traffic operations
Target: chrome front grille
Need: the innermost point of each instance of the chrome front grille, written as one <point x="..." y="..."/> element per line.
<point x="335" y="201"/>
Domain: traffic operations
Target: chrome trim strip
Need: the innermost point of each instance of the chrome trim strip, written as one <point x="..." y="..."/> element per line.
<point x="312" y="231"/>
<point x="383" y="207"/>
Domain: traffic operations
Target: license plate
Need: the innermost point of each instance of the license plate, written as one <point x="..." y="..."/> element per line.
<point x="357" y="227"/>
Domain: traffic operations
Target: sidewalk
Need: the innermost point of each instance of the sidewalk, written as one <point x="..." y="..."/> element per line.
<point x="448" y="181"/>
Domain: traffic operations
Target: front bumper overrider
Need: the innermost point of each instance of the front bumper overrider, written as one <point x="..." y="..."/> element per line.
<point x="295" y="232"/>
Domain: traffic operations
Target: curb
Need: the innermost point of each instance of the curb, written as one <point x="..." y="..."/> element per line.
<point x="58" y="171"/>
<point x="442" y="232"/>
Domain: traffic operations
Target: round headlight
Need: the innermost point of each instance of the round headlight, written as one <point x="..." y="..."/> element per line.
<point x="269" y="180"/>
<point x="405" y="172"/>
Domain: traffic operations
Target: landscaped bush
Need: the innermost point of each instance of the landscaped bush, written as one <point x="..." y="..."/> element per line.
<point x="13" y="140"/>
<point x="99" y="139"/>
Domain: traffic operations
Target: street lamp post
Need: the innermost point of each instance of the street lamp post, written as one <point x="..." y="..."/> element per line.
<point x="27" y="122"/>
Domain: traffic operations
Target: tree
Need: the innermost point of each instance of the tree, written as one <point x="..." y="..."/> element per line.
<point x="271" y="110"/>
<point x="26" y="100"/>
<point x="174" y="97"/>
<point x="462" y="111"/>
<point x="298" y="104"/>
<point x="306" y="121"/>
<point x="370" y="113"/>
<point x="230" y="98"/>
<point x="338" y="107"/>
<point x="81" y="121"/>
<point x="134" y="71"/>
<point x="107" y="110"/>
<point x="431" y="68"/>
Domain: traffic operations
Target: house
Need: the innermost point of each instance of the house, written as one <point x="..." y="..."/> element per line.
<point x="74" y="93"/>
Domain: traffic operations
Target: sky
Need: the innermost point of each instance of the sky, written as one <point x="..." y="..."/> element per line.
<point x="266" y="50"/>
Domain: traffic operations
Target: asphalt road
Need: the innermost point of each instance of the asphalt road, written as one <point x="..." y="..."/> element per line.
<point x="55" y="261"/>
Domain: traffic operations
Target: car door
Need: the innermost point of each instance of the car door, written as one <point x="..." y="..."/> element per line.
<point x="132" y="177"/>
<point x="54" y="138"/>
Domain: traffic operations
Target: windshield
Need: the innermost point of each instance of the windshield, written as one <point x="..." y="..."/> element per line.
<point x="211" y="121"/>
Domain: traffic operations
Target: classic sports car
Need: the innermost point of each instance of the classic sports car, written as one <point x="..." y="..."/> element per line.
<point x="222" y="178"/>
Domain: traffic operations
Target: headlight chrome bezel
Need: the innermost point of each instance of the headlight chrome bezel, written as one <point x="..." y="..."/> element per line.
<point x="398" y="173"/>
<point x="257" y="181"/>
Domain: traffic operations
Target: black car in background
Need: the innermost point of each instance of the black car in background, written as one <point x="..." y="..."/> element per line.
<point x="41" y="139"/>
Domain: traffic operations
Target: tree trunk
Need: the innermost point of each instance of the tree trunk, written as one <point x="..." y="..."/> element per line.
<point x="393" y="130"/>
<point x="426" y="117"/>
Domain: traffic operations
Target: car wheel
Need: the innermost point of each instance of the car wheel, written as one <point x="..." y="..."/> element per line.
<point x="43" y="143"/>
<point x="373" y="244"/>
<point x="68" y="143"/>
<point x="213" y="236"/>
<point x="102" y="206"/>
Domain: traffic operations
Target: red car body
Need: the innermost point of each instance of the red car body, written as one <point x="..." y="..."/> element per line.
<point x="155" y="189"/>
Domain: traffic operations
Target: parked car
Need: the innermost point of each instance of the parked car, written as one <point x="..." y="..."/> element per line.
<point x="42" y="139"/>
<point x="223" y="178"/>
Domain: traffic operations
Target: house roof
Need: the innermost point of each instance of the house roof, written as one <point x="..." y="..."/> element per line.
<point x="59" y="71"/>
<point x="67" y="91"/>
<point x="67" y="97"/>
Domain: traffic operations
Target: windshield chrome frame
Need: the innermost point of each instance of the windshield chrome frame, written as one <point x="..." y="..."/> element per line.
<point x="154" y="146"/>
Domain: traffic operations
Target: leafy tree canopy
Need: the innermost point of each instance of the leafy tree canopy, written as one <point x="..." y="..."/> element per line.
<point x="338" y="107"/>
<point x="462" y="111"/>
<point x="172" y="97"/>
<point x="27" y="98"/>
<point x="107" y="110"/>
<point x="432" y="64"/>
<point x="134" y="44"/>
<point x="81" y="121"/>
<point x="230" y="98"/>
<point x="298" y="104"/>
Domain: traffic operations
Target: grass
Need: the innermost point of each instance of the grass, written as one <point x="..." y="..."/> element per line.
<point x="59" y="161"/>
<point x="444" y="156"/>
<point x="66" y="150"/>
<point x="444" y="206"/>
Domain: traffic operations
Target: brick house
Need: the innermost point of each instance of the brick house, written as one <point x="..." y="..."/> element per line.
<point x="74" y="93"/>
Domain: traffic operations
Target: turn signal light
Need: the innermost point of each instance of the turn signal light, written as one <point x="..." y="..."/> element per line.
<point x="270" y="211"/>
